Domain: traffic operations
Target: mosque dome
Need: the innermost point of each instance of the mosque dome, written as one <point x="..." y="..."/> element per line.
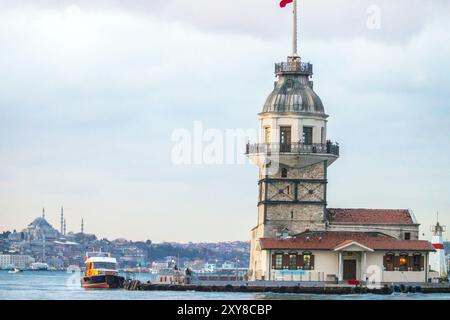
<point x="39" y="229"/>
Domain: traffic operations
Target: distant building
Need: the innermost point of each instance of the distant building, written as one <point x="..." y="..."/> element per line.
<point x="39" y="230"/>
<point x="8" y="261"/>
<point x="16" y="237"/>
<point x="209" y="267"/>
<point x="228" y="266"/>
<point x="158" y="266"/>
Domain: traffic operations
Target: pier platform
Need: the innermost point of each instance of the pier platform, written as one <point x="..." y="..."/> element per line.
<point x="288" y="288"/>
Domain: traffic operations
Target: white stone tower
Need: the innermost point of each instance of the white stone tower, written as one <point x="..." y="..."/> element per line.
<point x="437" y="259"/>
<point x="293" y="156"/>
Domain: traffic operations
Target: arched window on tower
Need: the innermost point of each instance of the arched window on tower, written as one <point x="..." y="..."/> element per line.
<point x="284" y="173"/>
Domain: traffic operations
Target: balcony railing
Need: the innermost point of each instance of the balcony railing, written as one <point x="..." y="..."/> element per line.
<point x="294" y="67"/>
<point x="328" y="148"/>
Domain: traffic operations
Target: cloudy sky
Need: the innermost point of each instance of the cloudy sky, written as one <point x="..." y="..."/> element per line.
<point x="92" y="91"/>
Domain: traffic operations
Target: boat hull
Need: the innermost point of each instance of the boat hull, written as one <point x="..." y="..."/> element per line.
<point x="103" y="282"/>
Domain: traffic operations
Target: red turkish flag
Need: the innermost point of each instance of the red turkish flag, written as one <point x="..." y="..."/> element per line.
<point x="284" y="3"/>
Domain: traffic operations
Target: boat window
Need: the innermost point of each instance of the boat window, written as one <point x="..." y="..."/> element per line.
<point x="105" y="265"/>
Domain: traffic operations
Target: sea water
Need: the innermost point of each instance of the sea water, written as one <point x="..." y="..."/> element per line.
<point x="30" y="285"/>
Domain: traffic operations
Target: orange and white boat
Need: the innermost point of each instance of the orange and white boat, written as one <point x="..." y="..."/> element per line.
<point x="101" y="272"/>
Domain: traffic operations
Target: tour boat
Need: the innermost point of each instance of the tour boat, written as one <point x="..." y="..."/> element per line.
<point x="39" y="266"/>
<point x="101" y="272"/>
<point x="15" y="270"/>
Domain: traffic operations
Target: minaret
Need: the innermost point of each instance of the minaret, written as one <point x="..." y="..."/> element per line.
<point x="43" y="249"/>
<point x="64" y="227"/>
<point x="43" y="213"/>
<point x="293" y="156"/>
<point x="437" y="259"/>
<point x="82" y="226"/>
<point x="62" y="221"/>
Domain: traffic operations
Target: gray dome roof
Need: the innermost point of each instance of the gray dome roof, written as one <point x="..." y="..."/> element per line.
<point x="39" y="229"/>
<point x="294" y="93"/>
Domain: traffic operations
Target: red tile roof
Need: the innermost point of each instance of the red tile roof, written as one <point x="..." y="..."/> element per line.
<point x="370" y="216"/>
<point x="329" y="240"/>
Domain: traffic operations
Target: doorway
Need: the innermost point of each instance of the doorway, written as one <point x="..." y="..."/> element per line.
<point x="350" y="270"/>
<point x="285" y="139"/>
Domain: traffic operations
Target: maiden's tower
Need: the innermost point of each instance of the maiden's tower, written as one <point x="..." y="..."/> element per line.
<point x="297" y="237"/>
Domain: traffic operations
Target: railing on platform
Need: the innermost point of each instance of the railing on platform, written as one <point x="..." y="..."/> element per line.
<point x="328" y="148"/>
<point x="298" y="276"/>
<point x="294" y="67"/>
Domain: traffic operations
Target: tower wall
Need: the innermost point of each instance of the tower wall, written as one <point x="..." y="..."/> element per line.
<point x="294" y="202"/>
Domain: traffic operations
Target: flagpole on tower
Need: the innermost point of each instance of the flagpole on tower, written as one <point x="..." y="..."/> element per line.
<point x="295" y="33"/>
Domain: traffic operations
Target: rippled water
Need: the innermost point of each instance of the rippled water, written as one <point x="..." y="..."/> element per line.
<point x="64" y="286"/>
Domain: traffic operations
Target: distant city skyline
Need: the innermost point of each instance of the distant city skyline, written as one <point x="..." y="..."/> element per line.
<point x="91" y="95"/>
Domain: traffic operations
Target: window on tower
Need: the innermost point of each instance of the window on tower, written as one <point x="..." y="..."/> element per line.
<point x="308" y="135"/>
<point x="285" y="139"/>
<point x="407" y="236"/>
<point x="268" y="135"/>
<point x="284" y="173"/>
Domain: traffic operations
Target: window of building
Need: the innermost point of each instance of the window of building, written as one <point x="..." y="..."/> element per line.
<point x="278" y="261"/>
<point x="285" y="139"/>
<point x="407" y="236"/>
<point x="285" y="261"/>
<point x="268" y="135"/>
<point x="293" y="261"/>
<point x="417" y="262"/>
<point x="389" y="262"/>
<point x="284" y="173"/>
<point x="308" y="135"/>
<point x="403" y="262"/>
<point x="308" y="261"/>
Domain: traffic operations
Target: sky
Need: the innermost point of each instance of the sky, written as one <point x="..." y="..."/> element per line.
<point x="91" y="93"/>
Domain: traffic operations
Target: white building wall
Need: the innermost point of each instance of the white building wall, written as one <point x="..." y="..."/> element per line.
<point x="376" y="259"/>
<point x="296" y="122"/>
<point x="8" y="261"/>
<point x="327" y="264"/>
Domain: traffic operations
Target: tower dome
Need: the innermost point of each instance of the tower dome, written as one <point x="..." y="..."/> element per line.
<point x="294" y="91"/>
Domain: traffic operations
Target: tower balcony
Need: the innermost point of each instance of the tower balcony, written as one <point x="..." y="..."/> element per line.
<point x="328" y="148"/>
<point x="294" y="154"/>
<point x="294" y="67"/>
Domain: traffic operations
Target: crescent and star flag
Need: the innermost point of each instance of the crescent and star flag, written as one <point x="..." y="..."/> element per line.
<point x="284" y="3"/>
